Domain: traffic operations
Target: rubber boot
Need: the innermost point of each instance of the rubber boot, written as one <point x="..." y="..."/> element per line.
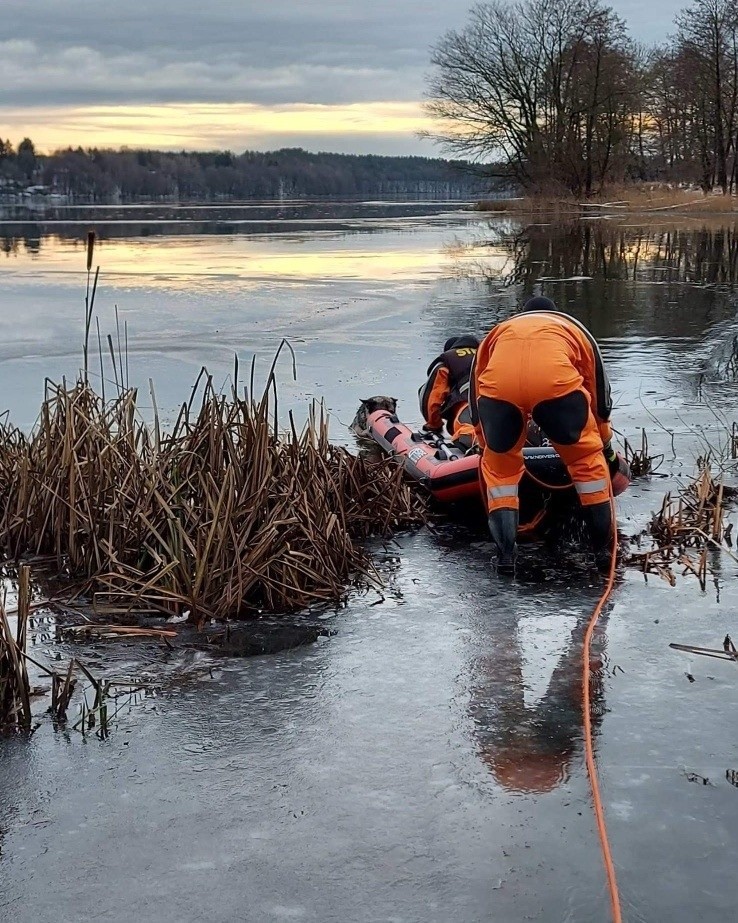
<point x="503" y="526"/>
<point x="598" y="517"/>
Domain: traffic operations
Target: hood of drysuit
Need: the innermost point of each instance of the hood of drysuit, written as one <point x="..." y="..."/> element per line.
<point x="539" y="303"/>
<point x="462" y="342"/>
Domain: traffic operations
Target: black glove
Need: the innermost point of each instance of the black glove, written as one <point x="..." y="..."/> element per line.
<point x="430" y="429"/>
<point x="611" y="457"/>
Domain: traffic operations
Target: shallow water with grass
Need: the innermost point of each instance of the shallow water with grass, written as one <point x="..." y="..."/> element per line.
<point x="420" y="757"/>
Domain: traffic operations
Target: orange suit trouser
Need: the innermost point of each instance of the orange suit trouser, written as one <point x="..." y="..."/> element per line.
<point x="461" y="428"/>
<point x="535" y="378"/>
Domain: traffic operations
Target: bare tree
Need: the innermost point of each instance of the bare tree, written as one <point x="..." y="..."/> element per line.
<point x="545" y="85"/>
<point x="692" y="98"/>
<point x="708" y="37"/>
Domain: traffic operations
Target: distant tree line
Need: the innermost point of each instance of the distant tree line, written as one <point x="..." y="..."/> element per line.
<point x="561" y="96"/>
<point x="99" y="175"/>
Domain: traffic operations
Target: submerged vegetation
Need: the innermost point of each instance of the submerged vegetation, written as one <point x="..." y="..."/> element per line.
<point x="15" y="688"/>
<point x="108" y="696"/>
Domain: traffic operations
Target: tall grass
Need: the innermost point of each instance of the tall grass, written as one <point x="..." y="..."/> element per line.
<point x="15" y="690"/>
<point x="646" y="199"/>
<point x="220" y="515"/>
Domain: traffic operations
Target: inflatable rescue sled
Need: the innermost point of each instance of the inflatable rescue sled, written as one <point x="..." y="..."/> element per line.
<point x="451" y="474"/>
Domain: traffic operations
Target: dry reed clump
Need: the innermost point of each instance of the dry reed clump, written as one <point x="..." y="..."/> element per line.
<point x="653" y="199"/>
<point x="639" y="460"/>
<point x="15" y="689"/>
<point x="220" y="516"/>
<point x="685" y="526"/>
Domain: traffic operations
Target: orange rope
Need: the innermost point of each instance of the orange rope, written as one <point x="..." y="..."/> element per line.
<point x="588" y="746"/>
<point x="544" y="485"/>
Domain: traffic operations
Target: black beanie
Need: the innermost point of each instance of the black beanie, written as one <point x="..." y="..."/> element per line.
<point x="539" y="303"/>
<point x="469" y="342"/>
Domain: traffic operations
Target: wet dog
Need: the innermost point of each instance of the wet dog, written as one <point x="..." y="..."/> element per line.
<point x="368" y="405"/>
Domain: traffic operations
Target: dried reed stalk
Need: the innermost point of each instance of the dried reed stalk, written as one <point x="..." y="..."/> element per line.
<point x="684" y="527"/>
<point x="15" y="691"/>
<point x="221" y="515"/>
<point x="62" y="688"/>
<point x="641" y="463"/>
<point x="89" y="301"/>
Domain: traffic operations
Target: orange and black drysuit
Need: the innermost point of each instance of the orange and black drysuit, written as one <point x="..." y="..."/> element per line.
<point x="444" y="398"/>
<point x="546" y="365"/>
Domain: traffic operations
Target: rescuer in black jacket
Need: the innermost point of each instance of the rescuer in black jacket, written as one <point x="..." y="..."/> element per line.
<point x="444" y="398"/>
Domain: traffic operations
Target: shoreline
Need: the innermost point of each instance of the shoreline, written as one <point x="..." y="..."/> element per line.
<point x="649" y="203"/>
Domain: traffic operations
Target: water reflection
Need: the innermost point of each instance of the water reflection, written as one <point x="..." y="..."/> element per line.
<point x="14" y="245"/>
<point x="65" y="227"/>
<point x="585" y="249"/>
<point x="623" y="281"/>
<point x="177" y="251"/>
<point x="526" y="694"/>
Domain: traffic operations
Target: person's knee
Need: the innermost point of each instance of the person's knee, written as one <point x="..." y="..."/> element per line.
<point x="502" y="423"/>
<point x="563" y="419"/>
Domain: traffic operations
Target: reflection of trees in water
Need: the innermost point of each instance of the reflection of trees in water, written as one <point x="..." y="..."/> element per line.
<point x="706" y="257"/>
<point x="620" y="281"/>
<point x="12" y="245"/>
<point x="600" y="250"/>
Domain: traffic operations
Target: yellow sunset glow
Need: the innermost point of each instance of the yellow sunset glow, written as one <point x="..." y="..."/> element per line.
<point x="199" y="261"/>
<point x="188" y="262"/>
<point x="205" y="125"/>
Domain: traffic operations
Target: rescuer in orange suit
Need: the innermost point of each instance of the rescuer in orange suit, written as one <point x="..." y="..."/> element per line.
<point x="444" y="398"/>
<point x="545" y="365"/>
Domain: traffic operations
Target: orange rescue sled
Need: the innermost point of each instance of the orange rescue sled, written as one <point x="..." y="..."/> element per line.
<point x="450" y="474"/>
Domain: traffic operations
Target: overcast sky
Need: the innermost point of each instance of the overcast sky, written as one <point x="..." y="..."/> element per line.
<point x="342" y="75"/>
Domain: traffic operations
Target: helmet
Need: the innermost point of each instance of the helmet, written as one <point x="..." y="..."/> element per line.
<point x="465" y="341"/>
<point x="539" y="303"/>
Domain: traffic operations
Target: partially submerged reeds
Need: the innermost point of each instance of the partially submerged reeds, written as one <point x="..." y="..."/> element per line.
<point x="685" y="527"/>
<point x="640" y="461"/>
<point x="15" y="688"/>
<point x="15" y="705"/>
<point x="221" y="515"/>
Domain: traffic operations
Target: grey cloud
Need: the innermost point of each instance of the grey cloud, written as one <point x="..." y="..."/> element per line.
<point x="80" y="52"/>
<point x="290" y="29"/>
<point x="82" y="76"/>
